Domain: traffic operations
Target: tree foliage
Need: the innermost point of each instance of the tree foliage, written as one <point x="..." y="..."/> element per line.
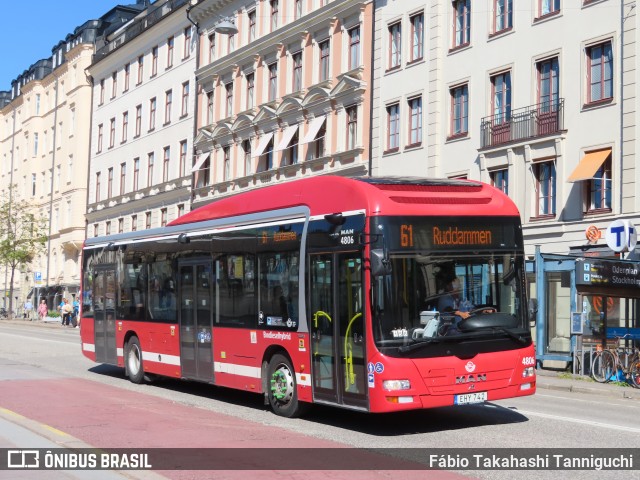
<point x="23" y="234"/>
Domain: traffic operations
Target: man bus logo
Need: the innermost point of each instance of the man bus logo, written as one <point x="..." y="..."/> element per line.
<point x="479" y="377"/>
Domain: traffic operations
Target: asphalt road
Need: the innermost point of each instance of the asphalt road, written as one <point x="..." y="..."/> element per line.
<point x="64" y="398"/>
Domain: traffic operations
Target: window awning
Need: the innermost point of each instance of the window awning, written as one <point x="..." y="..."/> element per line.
<point x="264" y="141"/>
<point x="314" y="128"/>
<point x="589" y="165"/>
<point x="288" y="134"/>
<point x="201" y="159"/>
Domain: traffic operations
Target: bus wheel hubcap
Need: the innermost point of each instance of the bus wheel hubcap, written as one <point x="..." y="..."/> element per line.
<point x="282" y="385"/>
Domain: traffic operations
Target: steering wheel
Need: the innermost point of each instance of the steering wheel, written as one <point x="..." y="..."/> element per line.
<point x="483" y="309"/>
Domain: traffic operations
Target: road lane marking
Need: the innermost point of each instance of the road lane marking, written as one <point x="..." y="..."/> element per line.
<point x="31" y="338"/>
<point x="578" y="420"/>
<point x="628" y="405"/>
<point x="15" y="415"/>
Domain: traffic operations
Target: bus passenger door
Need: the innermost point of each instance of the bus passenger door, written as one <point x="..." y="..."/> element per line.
<point x="195" y="318"/>
<point x="104" y="320"/>
<point x="337" y="328"/>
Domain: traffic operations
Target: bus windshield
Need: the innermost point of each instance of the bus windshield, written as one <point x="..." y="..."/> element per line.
<point x="430" y="297"/>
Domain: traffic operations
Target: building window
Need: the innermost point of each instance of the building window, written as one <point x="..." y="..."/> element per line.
<point x="461" y="23"/>
<point x="501" y="94"/>
<point x="114" y="84"/>
<point x="317" y="148"/>
<point x="140" y="69"/>
<point x="229" y="91"/>
<point x="395" y="45"/>
<point x="179" y="210"/>
<point x="101" y="100"/>
<point x="274" y="14"/>
<point x="99" y="146"/>
<point x="112" y="132"/>
<point x="96" y="230"/>
<point x="163" y="217"/>
<point x="415" y="121"/>
<point x="290" y="156"/>
<point x="187" y="43"/>
<point x="134" y="223"/>
<point x="127" y="77"/>
<point x="324" y="60"/>
<point x="210" y="107"/>
<point x="417" y="37"/>
<point x="165" y="164"/>
<point x="226" y="168"/>
<point x="231" y="45"/>
<point x="246" y="148"/>
<point x="252" y="25"/>
<point x="183" y="158"/>
<point x="250" y="90"/>
<point x="147" y="220"/>
<point x="297" y="71"/>
<point x="354" y="48"/>
<point x="599" y="189"/>
<point x="170" y="42"/>
<point x="273" y="81"/>
<point x="545" y="176"/>
<point x="500" y="180"/>
<point x="548" y="7"/>
<point x="168" y="99"/>
<point x="297" y="9"/>
<point x="548" y="84"/>
<point x="352" y="127"/>
<point x="154" y="61"/>
<point x="185" y="99"/>
<point x="212" y="47"/>
<point x="459" y="110"/>
<point x="120" y="225"/>
<point x="503" y="18"/>
<point x="33" y="184"/>
<point x="123" y="178"/>
<point x="136" y="173"/>
<point x="110" y="182"/>
<point x="107" y="229"/>
<point x="150" y="162"/>
<point x="600" y="72"/>
<point x="152" y="113"/>
<point x="125" y="125"/>
<point x="393" y="127"/>
<point x="97" y="186"/>
<point x="138" y="120"/>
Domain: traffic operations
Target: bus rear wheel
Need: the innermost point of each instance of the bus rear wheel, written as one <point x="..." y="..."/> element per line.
<point x="133" y="360"/>
<point x="282" y="388"/>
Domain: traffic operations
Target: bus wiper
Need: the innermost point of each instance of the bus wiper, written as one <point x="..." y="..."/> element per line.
<point x="517" y="337"/>
<point x="419" y="343"/>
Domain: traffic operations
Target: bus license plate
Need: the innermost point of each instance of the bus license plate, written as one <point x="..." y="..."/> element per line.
<point x="467" y="398"/>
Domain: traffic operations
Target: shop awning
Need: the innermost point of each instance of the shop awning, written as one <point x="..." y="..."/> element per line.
<point x="288" y="134"/>
<point x="589" y="165"/>
<point x="201" y="159"/>
<point x="264" y="141"/>
<point x="314" y="128"/>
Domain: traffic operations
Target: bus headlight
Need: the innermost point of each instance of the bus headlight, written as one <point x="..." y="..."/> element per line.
<point x="396" y="385"/>
<point x="528" y="372"/>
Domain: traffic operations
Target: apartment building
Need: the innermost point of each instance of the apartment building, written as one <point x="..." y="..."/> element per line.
<point x="285" y="97"/>
<point x="44" y="152"/>
<point x="142" y="122"/>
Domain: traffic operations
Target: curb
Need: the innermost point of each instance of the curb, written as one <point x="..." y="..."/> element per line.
<point x="628" y="393"/>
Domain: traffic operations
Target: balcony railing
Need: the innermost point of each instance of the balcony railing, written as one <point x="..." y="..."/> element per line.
<point x="138" y="26"/>
<point x="529" y="122"/>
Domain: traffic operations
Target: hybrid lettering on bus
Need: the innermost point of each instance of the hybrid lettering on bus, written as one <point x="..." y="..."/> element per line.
<point x="323" y="290"/>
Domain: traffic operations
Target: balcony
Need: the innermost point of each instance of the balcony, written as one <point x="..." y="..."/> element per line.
<point x="524" y="123"/>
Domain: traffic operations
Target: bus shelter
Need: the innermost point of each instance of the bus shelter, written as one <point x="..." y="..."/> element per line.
<point x="586" y="299"/>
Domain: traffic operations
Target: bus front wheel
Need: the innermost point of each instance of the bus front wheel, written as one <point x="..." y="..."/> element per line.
<point x="282" y="388"/>
<point x="133" y="361"/>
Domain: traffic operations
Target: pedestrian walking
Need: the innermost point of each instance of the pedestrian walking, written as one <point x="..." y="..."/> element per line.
<point x="43" y="310"/>
<point x="66" y="310"/>
<point x="28" y="307"/>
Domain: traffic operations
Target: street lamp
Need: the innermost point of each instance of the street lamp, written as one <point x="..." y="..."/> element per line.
<point x="226" y="27"/>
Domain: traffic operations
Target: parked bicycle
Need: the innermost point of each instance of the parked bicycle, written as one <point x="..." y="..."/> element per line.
<point x="616" y="363"/>
<point x="4" y="313"/>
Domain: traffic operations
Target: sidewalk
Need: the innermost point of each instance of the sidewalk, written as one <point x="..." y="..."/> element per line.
<point x="547" y="379"/>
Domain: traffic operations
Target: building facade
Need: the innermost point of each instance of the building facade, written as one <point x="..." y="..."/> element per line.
<point x="44" y="153"/>
<point x="142" y="122"/>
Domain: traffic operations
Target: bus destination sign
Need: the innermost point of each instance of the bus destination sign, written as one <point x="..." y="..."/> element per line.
<point x="609" y="273"/>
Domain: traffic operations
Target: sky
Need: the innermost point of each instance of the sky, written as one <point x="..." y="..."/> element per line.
<point x="29" y="29"/>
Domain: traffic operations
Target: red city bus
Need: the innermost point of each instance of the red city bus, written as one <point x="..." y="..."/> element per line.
<point x="324" y="290"/>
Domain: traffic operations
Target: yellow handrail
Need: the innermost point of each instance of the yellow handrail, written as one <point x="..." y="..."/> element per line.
<point x="349" y="374"/>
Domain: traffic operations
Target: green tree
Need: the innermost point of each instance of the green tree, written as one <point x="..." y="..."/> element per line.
<point x="22" y="235"/>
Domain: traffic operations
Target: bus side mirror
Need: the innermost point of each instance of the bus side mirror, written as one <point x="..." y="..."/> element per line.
<point x="533" y="309"/>
<point x="380" y="264"/>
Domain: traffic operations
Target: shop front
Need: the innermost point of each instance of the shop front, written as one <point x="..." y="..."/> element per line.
<point x="586" y="299"/>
